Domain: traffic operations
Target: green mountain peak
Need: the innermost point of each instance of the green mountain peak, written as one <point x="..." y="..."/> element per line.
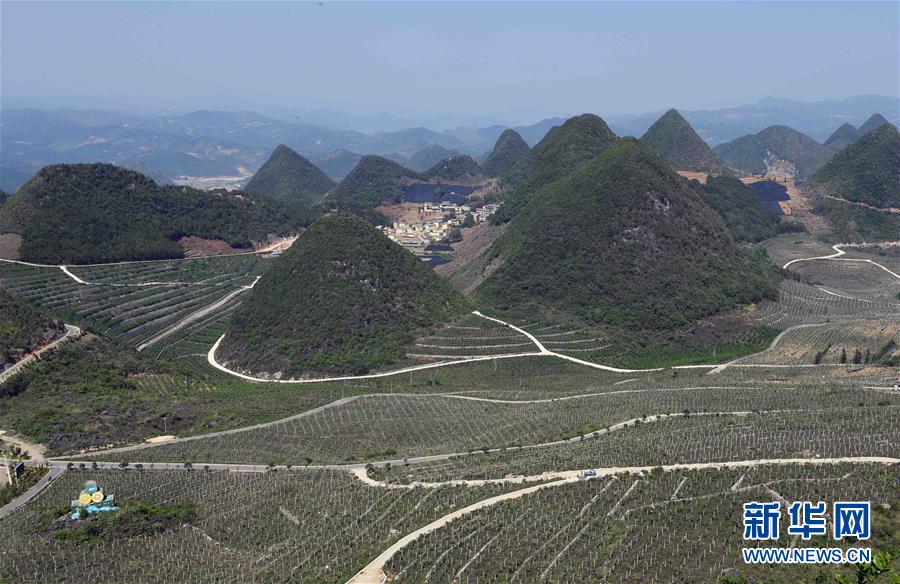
<point x="288" y="176"/>
<point x="344" y="299"/>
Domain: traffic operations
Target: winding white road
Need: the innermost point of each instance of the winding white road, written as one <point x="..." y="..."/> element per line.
<point x="837" y="257"/>
<point x="373" y="572"/>
<point x="541" y="351"/>
<point x="211" y="359"/>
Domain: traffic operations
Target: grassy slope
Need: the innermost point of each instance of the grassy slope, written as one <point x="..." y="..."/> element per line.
<point x="86" y="393"/>
<point x="851" y="222"/>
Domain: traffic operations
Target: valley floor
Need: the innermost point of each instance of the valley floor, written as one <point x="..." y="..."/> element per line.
<point x="469" y="464"/>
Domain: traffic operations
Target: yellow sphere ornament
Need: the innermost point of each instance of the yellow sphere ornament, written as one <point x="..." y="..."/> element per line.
<point x="84" y="498"/>
<point x="97" y="497"/>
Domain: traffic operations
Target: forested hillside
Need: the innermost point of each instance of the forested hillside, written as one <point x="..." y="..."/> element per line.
<point x="428" y="157"/>
<point x="845" y="135"/>
<point x="289" y="177"/>
<point x="91" y="213"/>
<point x="509" y="151"/>
<point x="454" y="168"/>
<point x="874" y="122"/>
<point x="562" y="150"/>
<point x="673" y="138"/>
<point x="344" y="299"/>
<point x="372" y="181"/>
<point x="740" y="208"/>
<point x="623" y="241"/>
<point x="867" y="171"/>
<point x="23" y="329"/>
<point x="775" y="150"/>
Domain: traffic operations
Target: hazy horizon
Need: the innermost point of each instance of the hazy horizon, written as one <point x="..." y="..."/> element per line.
<point x="485" y="63"/>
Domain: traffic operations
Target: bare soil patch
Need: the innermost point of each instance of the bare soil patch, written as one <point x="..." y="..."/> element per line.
<point x="195" y="247"/>
<point x="697" y="176"/>
<point x="402" y="212"/>
<point x="10" y="244"/>
<point x="490" y="187"/>
<point x="476" y="240"/>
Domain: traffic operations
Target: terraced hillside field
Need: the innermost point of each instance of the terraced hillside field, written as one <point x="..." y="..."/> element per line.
<point x="677" y="526"/>
<point x="138" y="303"/>
<point x="310" y="526"/>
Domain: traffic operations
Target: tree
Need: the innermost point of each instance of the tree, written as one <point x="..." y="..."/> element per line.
<point x="843" y="355"/>
<point x="857" y="357"/>
<point x="870" y="573"/>
<point x="469" y="221"/>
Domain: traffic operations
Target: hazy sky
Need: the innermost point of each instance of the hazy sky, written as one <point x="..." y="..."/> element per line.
<point x="517" y="60"/>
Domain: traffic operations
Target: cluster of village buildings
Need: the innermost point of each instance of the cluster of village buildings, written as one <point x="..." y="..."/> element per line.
<point x="436" y="222"/>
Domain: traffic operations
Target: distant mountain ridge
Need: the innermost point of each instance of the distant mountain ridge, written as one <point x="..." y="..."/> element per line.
<point x="337" y="163"/>
<point x="428" y="157"/>
<point x="236" y="143"/>
<point x="817" y="119"/>
<point x="287" y="176"/>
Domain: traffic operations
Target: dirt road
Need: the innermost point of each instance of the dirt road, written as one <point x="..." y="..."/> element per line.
<point x="72" y="332"/>
<point x="373" y="573"/>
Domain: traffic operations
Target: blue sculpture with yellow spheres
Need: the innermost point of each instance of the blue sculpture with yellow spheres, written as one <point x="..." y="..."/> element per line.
<point x="91" y="501"/>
